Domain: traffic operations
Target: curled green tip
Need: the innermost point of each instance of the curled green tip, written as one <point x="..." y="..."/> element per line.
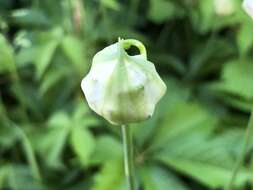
<point x="132" y="42"/>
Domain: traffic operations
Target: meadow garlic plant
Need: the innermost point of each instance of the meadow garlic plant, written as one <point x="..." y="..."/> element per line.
<point x="123" y="89"/>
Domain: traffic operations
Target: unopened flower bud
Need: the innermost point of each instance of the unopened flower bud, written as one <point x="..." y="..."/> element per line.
<point x="248" y="7"/>
<point x="122" y="88"/>
<point x="224" y="7"/>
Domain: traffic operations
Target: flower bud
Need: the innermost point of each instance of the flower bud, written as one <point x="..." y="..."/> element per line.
<point x="224" y="7"/>
<point x="248" y="7"/>
<point x="122" y="88"/>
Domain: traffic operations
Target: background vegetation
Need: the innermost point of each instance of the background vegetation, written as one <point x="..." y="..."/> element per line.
<point x="49" y="138"/>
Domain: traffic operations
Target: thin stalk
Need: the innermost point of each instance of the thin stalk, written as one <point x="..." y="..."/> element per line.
<point x="29" y="154"/>
<point x="128" y="156"/>
<point x="247" y="141"/>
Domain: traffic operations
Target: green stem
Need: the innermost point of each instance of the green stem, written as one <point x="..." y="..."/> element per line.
<point x="246" y="145"/>
<point x="29" y="154"/>
<point x="128" y="156"/>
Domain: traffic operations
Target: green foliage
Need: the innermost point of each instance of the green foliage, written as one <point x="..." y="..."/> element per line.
<point x="155" y="177"/>
<point x="7" y="57"/>
<point x="50" y="139"/>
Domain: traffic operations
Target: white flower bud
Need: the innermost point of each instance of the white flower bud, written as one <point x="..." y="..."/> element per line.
<point x="224" y="7"/>
<point x="122" y="88"/>
<point x="248" y="7"/>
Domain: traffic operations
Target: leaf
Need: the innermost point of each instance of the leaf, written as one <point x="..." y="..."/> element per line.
<point x="20" y="176"/>
<point x="171" y="61"/>
<point x="3" y="24"/>
<point x="237" y="78"/>
<point x="157" y="178"/>
<point x="194" y="153"/>
<point x="29" y="17"/>
<point x="162" y="10"/>
<point x="75" y="52"/>
<point x="245" y="38"/>
<point x="241" y="104"/>
<point x="247" y="142"/>
<point x="25" y="56"/>
<point x="4" y="172"/>
<point x="44" y="56"/>
<point x="111" y="4"/>
<point x="50" y="142"/>
<point x="41" y="50"/>
<point x="8" y="135"/>
<point x="29" y="152"/>
<point x="184" y="141"/>
<point x="52" y="146"/>
<point x="82" y="143"/>
<point x="110" y="177"/>
<point x="7" y="62"/>
<point x="181" y="119"/>
<point x="52" y="78"/>
<point x="82" y="115"/>
<point x="59" y="119"/>
<point x="211" y="175"/>
<point x="107" y="148"/>
<point x="208" y="56"/>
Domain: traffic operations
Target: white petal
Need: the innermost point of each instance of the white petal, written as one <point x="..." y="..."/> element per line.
<point x="248" y="7"/>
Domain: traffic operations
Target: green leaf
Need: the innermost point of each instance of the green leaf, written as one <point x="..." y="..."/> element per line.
<point x="213" y="176"/>
<point x="247" y="142"/>
<point x="82" y="115"/>
<point x="184" y="142"/>
<point x="44" y="56"/>
<point x="245" y="37"/>
<point x="75" y="52"/>
<point x="20" y="176"/>
<point x="8" y="137"/>
<point x="52" y="147"/>
<point x="237" y="78"/>
<point x="83" y="143"/>
<point x="111" y="4"/>
<point x="162" y="10"/>
<point x="50" y="141"/>
<point x="202" y="18"/>
<point x="26" y="56"/>
<point x="157" y="178"/>
<point x="81" y="110"/>
<point x="3" y="24"/>
<point x="29" y="152"/>
<point x="59" y="119"/>
<point x="194" y="153"/>
<point x="41" y="51"/>
<point x="110" y="177"/>
<point x="107" y="148"/>
<point x="4" y="173"/>
<point x="241" y="104"/>
<point x="7" y="62"/>
<point x="29" y="17"/>
<point x="52" y="78"/>
<point x="181" y="119"/>
<point x="208" y="56"/>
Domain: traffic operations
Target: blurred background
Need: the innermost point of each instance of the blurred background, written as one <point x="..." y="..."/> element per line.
<point x="50" y="139"/>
